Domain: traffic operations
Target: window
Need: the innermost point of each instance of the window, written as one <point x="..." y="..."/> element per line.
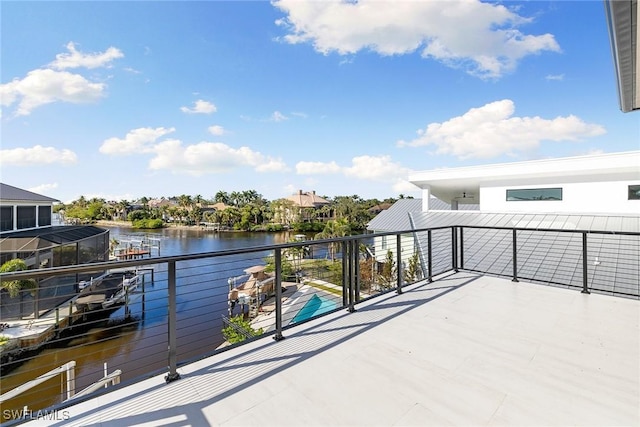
<point x="634" y="192"/>
<point x="6" y="218"/>
<point x="26" y="217"/>
<point x="44" y="216"/>
<point x="534" y="194"/>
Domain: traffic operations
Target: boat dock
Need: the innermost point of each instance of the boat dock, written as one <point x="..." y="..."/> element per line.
<point x="132" y="247"/>
<point x="31" y="334"/>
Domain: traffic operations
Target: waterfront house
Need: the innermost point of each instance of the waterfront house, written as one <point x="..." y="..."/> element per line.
<point x="303" y="206"/>
<point x="597" y="196"/>
<point x="600" y="183"/>
<point x="28" y="232"/>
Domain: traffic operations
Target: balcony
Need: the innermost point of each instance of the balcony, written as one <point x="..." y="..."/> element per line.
<point x="453" y="346"/>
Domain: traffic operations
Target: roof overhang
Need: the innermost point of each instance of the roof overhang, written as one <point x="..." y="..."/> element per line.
<point x="622" y="20"/>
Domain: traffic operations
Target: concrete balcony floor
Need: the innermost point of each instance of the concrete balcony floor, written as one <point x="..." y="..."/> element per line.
<point x="465" y="350"/>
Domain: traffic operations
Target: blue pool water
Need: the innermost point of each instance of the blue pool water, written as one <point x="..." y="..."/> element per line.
<point x="314" y="307"/>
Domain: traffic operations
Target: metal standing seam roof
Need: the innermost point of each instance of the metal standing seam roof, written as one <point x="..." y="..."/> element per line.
<point x="554" y="221"/>
<point x="396" y="219"/>
<point x="400" y="216"/>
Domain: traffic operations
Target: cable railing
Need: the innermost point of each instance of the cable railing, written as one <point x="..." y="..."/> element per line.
<point x="183" y="308"/>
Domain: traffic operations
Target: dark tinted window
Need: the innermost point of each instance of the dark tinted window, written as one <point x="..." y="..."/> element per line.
<point x="44" y="216"/>
<point x="534" y="194"/>
<point x="6" y="218"/>
<point x="26" y="217"/>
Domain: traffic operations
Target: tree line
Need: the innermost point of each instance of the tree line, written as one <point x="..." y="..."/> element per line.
<point x="243" y="210"/>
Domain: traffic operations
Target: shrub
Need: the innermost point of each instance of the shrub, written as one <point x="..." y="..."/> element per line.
<point x="15" y="286"/>
<point x="231" y="333"/>
<point x="148" y="223"/>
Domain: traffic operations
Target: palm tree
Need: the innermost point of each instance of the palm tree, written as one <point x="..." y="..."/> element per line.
<point x="185" y="201"/>
<point x="235" y="198"/>
<point x="221" y="197"/>
<point x="332" y="229"/>
<point x="195" y="214"/>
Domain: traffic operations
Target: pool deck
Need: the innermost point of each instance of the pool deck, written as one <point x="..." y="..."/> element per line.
<point x="465" y="350"/>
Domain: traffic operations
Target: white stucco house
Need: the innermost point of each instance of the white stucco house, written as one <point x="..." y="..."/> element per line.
<point x="602" y="183"/>
<point x="594" y="194"/>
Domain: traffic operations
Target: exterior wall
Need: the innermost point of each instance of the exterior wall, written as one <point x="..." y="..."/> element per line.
<point x="579" y="197"/>
<point x="383" y="244"/>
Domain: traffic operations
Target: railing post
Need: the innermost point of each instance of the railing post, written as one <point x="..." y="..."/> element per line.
<point x="454" y="248"/>
<point x="278" y="261"/>
<point x="70" y="368"/>
<point x="399" y="265"/>
<point x="356" y="272"/>
<point x="461" y="249"/>
<point x="350" y="270"/>
<point x="345" y="275"/>
<point x="585" y="268"/>
<point x="514" y="243"/>
<point x="172" y="324"/>
<point x="430" y="258"/>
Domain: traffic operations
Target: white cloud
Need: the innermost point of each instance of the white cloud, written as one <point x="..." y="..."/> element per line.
<point x="558" y="77"/>
<point x="482" y="38"/>
<point x="317" y="168"/>
<point x="210" y="157"/>
<point x="36" y="155"/>
<point x="141" y="140"/>
<point x="76" y="59"/>
<point x="377" y="168"/>
<point x="195" y="159"/>
<point x="44" y="86"/>
<point x="43" y="188"/>
<point x="492" y="130"/>
<point x="370" y="168"/>
<point x="402" y="186"/>
<point x="216" y="130"/>
<point x="47" y="85"/>
<point x="277" y="116"/>
<point x="200" y="107"/>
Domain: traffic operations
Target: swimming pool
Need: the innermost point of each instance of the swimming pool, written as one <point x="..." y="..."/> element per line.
<point x="314" y="307"/>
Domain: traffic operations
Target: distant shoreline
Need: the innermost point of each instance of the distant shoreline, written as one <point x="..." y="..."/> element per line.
<point x="127" y="224"/>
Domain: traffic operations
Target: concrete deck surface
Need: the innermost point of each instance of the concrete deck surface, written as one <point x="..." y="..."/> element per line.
<point x="465" y="350"/>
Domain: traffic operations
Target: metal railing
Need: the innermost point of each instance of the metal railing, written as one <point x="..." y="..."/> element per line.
<point x="176" y="316"/>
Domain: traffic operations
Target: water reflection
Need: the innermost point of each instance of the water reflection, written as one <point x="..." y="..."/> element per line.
<point x="140" y="346"/>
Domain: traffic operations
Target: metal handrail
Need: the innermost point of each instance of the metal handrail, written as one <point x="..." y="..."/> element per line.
<point x="444" y="249"/>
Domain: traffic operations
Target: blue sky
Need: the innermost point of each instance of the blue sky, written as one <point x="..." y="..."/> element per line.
<point x="123" y="99"/>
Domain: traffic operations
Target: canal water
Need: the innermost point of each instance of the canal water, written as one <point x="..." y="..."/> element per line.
<point x="141" y="346"/>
